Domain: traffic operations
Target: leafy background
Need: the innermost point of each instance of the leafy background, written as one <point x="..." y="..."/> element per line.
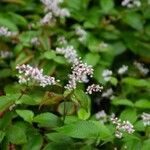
<point x="38" y="120"/>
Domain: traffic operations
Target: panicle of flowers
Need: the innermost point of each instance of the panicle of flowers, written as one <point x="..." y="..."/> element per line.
<point x="108" y="93"/>
<point x="131" y="3"/>
<point x="93" y="88"/>
<point x="5" y="54"/>
<point x="81" y="33"/>
<point x="101" y="115"/>
<point x="107" y="74"/>
<point x="5" y="32"/>
<point x="30" y="74"/>
<point x="121" y="127"/>
<point x="35" y="41"/>
<point x="141" y="68"/>
<point x="80" y="73"/>
<point x="146" y="119"/>
<point x="69" y="53"/>
<point x="53" y="6"/>
<point x="122" y="69"/>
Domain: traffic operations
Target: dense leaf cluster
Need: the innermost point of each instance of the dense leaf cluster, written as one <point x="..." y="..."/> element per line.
<point x="101" y="33"/>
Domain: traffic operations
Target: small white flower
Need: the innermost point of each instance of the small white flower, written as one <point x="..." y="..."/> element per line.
<point x="123" y="69"/>
<point x="81" y="33"/>
<point x="5" y="54"/>
<point x="101" y="115"/>
<point x="93" y="88"/>
<point x="146" y="119"/>
<point x="108" y="93"/>
<point x="80" y="70"/>
<point x="141" y="68"/>
<point x="30" y="74"/>
<point x="69" y="53"/>
<point x="5" y="32"/>
<point x="107" y="74"/>
<point x="53" y="6"/>
<point x="35" y="41"/>
<point x="124" y="126"/>
<point x="131" y="3"/>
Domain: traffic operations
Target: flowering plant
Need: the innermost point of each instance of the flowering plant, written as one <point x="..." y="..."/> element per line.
<point x="74" y="74"/>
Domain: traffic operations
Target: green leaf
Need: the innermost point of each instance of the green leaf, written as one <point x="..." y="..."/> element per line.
<point x="129" y="115"/>
<point x="25" y="37"/>
<point x="133" y="19"/>
<point x="113" y="81"/>
<point x="16" y="135"/>
<point x="136" y="82"/>
<point x="58" y="138"/>
<point x="83" y="114"/>
<point x="6" y="22"/>
<point x="83" y="99"/>
<point x="107" y="5"/>
<point x="49" y="55"/>
<point x="47" y="120"/>
<point x="27" y="115"/>
<point x="6" y="101"/>
<point x="85" y="129"/>
<point x="66" y="108"/>
<point x="143" y="103"/>
<point x="139" y="126"/>
<point x="119" y="101"/>
<point x="34" y="142"/>
<point x="146" y="145"/>
<point x="92" y="58"/>
<point x="6" y="120"/>
<point x="2" y="134"/>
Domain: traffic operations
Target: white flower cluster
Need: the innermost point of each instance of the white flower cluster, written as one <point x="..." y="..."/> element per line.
<point x="121" y="127"/>
<point x="122" y="69"/>
<point x="5" y="32"/>
<point x="131" y="3"/>
<point x="35" y="41"/>
<point x="93" y="88"/>
<point x="141" y="68"/>
<point x="28" y="73"/>
<point x="146" y="119"/>
<point x="101" y="115"/>
<point x="80" y="72"/>
<point x="53" y="6"/>
<point x="5" y="54"/>
<point x="48" y="19"/>
<point x="69" y="53"/>
<point x="62" y="41"/>
<point x="107" y="74"/>
<point x="108" y="93"/>
<point x="81" y="33"/>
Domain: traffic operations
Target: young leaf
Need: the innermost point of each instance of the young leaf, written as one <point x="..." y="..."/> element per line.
<point x="27" y="115"/>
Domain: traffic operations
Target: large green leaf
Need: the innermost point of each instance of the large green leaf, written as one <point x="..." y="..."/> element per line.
<point x="136" y="82"/>
<point x="133" y="19"/>
<point x="107" y="5"/>
<point x="16" y="135"/>
<point x="119" y="101"/>
<point x="47" y="120"/>
<point x="27" y="115"/>
<point x="85" y="129"/>
<point x="6" y="101"/>
<point x="35" y="142"/>
<point x="143" y="103"/>
<point x="129" y="115"/>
